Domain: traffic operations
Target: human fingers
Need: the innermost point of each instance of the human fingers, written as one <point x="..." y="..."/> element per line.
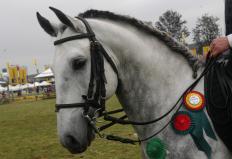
<point x="212" y="49"/>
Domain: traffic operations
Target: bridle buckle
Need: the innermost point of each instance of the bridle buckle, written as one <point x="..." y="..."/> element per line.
<point x="92" y="123"/>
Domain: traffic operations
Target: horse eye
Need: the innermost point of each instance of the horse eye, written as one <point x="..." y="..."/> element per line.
<point x="78" y="63"/>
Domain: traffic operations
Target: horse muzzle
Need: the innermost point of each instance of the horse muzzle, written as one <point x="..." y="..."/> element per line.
<point x="74" y="145"/>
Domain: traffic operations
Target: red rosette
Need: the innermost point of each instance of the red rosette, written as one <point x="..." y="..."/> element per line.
<point x="182" y="122"/>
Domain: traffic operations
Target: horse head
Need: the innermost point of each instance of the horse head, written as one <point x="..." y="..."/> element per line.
<point x="72" y="70"/>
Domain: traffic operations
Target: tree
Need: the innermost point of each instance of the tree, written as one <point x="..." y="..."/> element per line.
<point x="171" y="22"/>
<point x="206" y="30"/>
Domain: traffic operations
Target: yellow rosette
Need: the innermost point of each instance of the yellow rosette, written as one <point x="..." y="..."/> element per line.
<point x="194" y="101"/>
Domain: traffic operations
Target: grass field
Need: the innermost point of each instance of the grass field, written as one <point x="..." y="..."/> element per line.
<point x="28" y="131"/>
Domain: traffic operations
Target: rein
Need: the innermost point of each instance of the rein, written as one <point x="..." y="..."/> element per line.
<point x="97" y="100"/>
<point x="209" y="64"/>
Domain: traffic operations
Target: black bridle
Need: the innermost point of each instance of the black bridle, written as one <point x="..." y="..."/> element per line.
<point x="97" y="99"/>
<point x="97" y="52"/>
<point x="93" y="99"/>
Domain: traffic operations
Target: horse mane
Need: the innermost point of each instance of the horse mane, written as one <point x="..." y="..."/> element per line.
<point x="172" y="43"/>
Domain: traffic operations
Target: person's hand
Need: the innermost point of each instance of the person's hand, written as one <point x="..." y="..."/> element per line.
<point x="218" y="46"/>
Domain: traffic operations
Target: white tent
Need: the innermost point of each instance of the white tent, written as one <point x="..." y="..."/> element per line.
<point x="36" y="84"/>
<point x="3" y="89"/>
<point x="27" y="85"/>
<point x="24" y="86"/>
<point x="15" y="88"/>
<point x="20" y="87"/>
<point x="44" y="83"/>
<point x="46" y="73"/>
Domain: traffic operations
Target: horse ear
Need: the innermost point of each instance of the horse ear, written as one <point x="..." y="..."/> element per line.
<point x="67" y="20"/>
<point x="47" y="26"/>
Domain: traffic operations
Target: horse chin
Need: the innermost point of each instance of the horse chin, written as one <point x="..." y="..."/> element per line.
<point x="90" y="135"/>
<point x="77" y="151"/>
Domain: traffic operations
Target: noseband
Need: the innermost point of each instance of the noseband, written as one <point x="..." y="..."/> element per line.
<point x="93" y="99"/>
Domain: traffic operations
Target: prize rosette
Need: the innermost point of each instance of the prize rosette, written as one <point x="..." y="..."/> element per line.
<point x="193" y="121"/>
<point x="182" y="122"/>
<point x="156" y="149"/>
<point x="194" y="101"/>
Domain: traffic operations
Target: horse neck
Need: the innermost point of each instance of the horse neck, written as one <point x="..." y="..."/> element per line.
<point x="152" y="76"/>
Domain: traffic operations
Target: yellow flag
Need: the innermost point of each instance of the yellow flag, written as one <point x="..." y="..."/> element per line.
<point x="194" y="51"/>
<point x="23" y="75"/>
<point x="205" y="50"/>
<point x="13" y="74"/>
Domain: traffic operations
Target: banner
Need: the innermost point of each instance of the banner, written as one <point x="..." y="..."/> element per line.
<point x="194" y="51"/>
<point x="13" y="75"/>
<point x="17" y="74"/>
<point x="205" y="50"/>
<point x="22" y="75"/>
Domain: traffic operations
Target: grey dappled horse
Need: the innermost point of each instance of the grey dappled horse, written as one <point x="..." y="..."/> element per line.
<point x="154" y="70"/>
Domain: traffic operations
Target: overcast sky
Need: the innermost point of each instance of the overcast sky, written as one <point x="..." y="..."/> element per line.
<point x="22" y="39"/>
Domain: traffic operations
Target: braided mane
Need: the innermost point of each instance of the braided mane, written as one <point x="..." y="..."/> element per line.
<point x="172" y="43"/>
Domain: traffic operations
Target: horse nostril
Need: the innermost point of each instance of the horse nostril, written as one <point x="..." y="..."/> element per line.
<point x="72" y="140"/>
<point x="73" y="145"/>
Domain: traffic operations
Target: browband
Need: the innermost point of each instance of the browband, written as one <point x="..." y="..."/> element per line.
<point x="70" y="38"/>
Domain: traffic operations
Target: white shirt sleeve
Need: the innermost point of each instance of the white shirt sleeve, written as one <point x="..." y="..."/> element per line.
<point x="230" y="39"/>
